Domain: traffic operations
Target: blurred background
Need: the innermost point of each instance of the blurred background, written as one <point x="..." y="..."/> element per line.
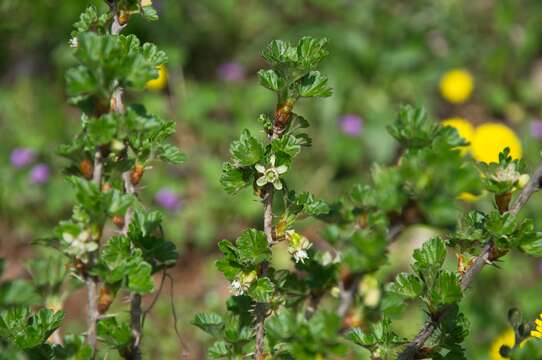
<point x="476" y="62"/>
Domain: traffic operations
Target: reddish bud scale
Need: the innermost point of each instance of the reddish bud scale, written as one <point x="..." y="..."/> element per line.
<point x="118" y="220"/>
<point x="136" y="174"/>
<point x="123" y="16"/>
<point x="104" y="300"/>
<point x="283" y="114"/>
<point x="86" y="168"/>
<point x="106" y="187"/>
<point x="503" y="201"/>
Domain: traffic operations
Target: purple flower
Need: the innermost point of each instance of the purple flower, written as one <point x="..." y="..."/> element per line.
<point x="168" y="199"/>
<point x="351" y="124"/>
<point x="21" y="157"/>
<point x="536" y="129"/>
<point x="40" y="173"/>
<point x="231" y="71"/>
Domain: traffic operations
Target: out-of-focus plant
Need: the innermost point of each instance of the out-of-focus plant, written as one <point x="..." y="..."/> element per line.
<point x="111" y="242"/>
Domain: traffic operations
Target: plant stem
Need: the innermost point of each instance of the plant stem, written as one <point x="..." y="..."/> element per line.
<point x="486" y="257"/>
<point x="91" y="282"/>
<point x="278" y="128"/>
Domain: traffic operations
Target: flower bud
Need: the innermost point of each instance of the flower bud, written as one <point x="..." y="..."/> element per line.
<point x="137" y="173"/>
<point x="86" y="168"/>
<point x="117" y="146"/>
<point x="105" y="299"/>
<point x="118" y="220"/>
<point x="523" y="180"/>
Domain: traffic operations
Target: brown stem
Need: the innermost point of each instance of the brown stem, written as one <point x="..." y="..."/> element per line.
<point x="91" y="282"/>
<point x="282" y="115"/>
<point x="485" y="257"/>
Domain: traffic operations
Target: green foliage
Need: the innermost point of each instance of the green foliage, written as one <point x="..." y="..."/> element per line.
<point x="27" y="330"/>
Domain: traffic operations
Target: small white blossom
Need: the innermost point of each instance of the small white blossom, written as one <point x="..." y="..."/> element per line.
<point x="270" y="174"/>
<point x="241" y="284"/>
<point x="298" y="246"/>
<point x="81" y="245"/>
<point x="507" y="174"/>
<point x="74" y="43"/>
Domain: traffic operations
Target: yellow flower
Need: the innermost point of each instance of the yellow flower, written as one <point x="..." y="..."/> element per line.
<point x="468" y="197"/>
<point x="464" y="128"/>
<point x="537" y="333"/>
<point x="456" y="86"/>
<point x="506" y="338"/>
<point x="491" y="138"/>
<point x="160" y="82"/>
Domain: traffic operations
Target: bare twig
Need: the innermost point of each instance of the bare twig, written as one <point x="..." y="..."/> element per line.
<point x="91" y="282"/>
<point x="486" y="257"/>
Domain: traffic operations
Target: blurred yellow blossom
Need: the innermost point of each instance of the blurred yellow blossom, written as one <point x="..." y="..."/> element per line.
<point x="537" y="333"/>
<point x="507" y="338"/>
<point x="160" y="82"/>
<point x="492" y="138"/>
<point x="456" y="86"/>
<point x="464" y="128"/>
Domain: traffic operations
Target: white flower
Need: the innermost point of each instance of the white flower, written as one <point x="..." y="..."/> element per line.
<point x="300" y="255"/>
<point x="270" y="174"/>
<point x="81" y="245"/>
<point x="298" y="246"/>
<point x="508" y="174"/>
<point x="236" y="288"/>
<point x="74" y="43"/>
<point x="240" y="285"/>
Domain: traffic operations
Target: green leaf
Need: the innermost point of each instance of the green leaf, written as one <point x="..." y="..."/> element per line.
<point x="289" y="145"/>
<point x="311" y="51"/>
<point x="261" y="290"/>
<point x="271" y="80"/>
<point x="252" y="247"/>
<point x="446" y="289"/>
<point x="218" y="350"/>
<point x="171" y="154"/>
<point x="210" y="323"/>
<point x="361" y="338"/>
<point x="116" y="334"/>
<point x="314" y="84"/>
<point x="431" y="255"/>
<point x="407" y="285"/>
<point x="103" y="129"/>
<point x="247" y="150"/>
<point x="233" y="179"/>
<point x="412" y="128"/>
<point x="279" y="51"/>
<point x="26" y="330"/>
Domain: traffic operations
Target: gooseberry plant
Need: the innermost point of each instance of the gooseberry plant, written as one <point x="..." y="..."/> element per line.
<point x="314" y="309"/>
<point x="111" y="242"/>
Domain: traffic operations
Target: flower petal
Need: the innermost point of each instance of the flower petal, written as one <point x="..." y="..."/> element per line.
<point x="260" y="168"/>
<point x="261" y="181"/>
<point x="277" y="184"/>
<point x="536" y="334"/>
<point x="281" y="169"/>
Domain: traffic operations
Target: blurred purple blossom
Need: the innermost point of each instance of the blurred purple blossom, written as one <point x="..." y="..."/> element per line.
<point x="231" y="71"/>
<point x="21" y="157"/>
<point x="351" y="124"/>
<point x="536" y="129"/>
<point x="168" y="199"/>
<point x="40" y="173"/>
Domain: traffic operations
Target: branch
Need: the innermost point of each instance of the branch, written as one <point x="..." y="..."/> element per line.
<point x="91" y="282"/>
<point x="485" y="257"/>
<point x="278" y="128"/>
